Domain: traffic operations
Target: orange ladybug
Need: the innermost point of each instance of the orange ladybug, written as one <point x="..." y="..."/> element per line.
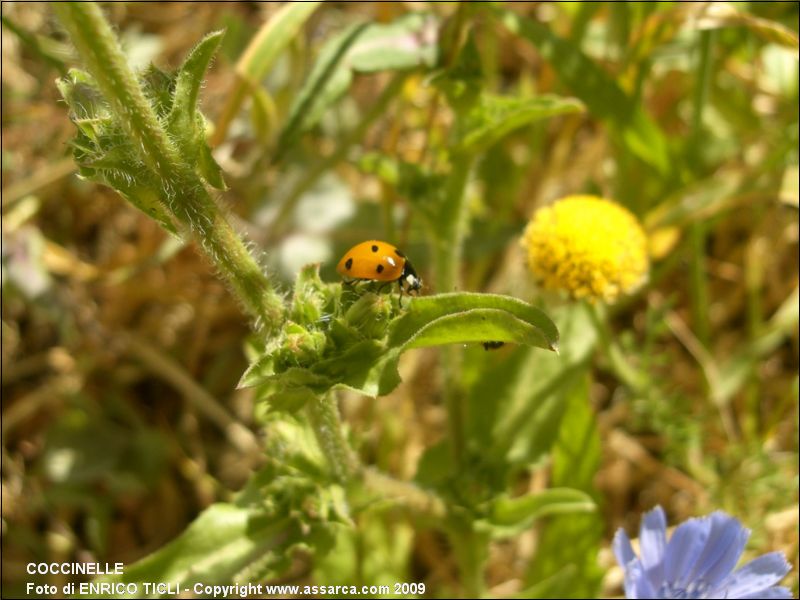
<point x="379" y="261"/>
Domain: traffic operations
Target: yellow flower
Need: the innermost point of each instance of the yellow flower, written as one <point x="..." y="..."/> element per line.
<point x="588" y="246"/>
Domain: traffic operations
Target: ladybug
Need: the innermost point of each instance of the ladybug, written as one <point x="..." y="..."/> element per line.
<point x="379" y="261"/>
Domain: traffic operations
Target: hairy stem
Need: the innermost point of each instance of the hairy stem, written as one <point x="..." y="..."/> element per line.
<point x="414" y="500"/>
<point x="323" y="413"/>
<point x="182" y="191"/>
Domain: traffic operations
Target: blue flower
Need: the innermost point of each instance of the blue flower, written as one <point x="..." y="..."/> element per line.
<point x="698" y="561"/>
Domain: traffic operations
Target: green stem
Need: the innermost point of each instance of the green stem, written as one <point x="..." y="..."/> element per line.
<point x="422" y="504"/>
<point x="98" y="47"/>
<point x="471" y="551"/>
<point x="323" y="413"/>
<point x="448" y="250"/>
<point x="182" y="191"/>
<point x="448" y="241"/>
<point x="703" y="80"/>
<point x="698" y="282"/>
<point x="452" y="226"/>
<point x="456" y="419"/>
<point x="616" y="358"/>
<point x="416" y="501"/>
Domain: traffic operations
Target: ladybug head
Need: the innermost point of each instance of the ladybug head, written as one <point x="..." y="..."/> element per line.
<point x="410" y="279"/>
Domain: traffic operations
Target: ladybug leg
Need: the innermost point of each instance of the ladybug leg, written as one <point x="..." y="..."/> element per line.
<point x="353" y="283"/>
<point x="400" y="299"/>
<point x="350" y="286"/>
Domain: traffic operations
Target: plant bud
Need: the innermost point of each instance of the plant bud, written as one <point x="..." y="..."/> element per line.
<point x="312" y="297"/>
<point x="370" y="315"/>
<point x="301" y="346"/>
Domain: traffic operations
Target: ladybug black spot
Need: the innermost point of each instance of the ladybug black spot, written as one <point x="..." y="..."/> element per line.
<point x="374" y="248"/>
<point x="348" y="264"/>
<point x="400" y="254"/>
<point x="379" y="268"/>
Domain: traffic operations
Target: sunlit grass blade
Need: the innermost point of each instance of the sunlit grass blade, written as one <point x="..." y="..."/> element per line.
<point x="260" y="55"/>
<point x="602" y="95"/>
<point x="716" y="15"/>
<point x="497" y="116"/>
<point x="405" y="44"/>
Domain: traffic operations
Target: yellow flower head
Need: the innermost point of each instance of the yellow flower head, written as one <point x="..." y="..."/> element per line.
<point x="591" y="247"/>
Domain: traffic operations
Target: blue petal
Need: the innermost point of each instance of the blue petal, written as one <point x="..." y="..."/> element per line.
<point x="636" y="584"/>
<point x="755" y="577"/>
<point x="684" y="548"/>
<point x="652" y="544"/>
<point x="724" y="547"/>
<point x="776" y="592"/>
<point x="622" y="548"/>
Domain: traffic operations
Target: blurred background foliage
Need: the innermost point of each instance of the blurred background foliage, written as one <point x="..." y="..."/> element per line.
<point x="122" y="349"/>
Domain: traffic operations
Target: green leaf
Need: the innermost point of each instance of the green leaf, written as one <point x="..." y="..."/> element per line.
<point x="478" y="324"/>
<point x="290" y="390"/>
<point x="435" y="466"/>
<point x="329" y="79"/>
<point x="185" y="124"/>
<point x="389" y="542"/>
<point x="408" y="43"/>
<point x="272" y="38"/>
<point x="733" y="373"/>
<point x="251" y="539"/>
<point x="190" y="77"/>
<point x="312" y="297"/>
<point x="216" y="546"/>
<point x="496" y="116"/>
<point x="576" y="458"/>
<point x="457" y="318"/>
<point x="511" y="516"/>
<point x="104" y="153"/>
<point x="527" y="431"/>
<point x="207" y="167"/>
<point x="463" y="81"/>
<point x="552" y="587"/>
<point x="44" y="48"/>
<point x="263" y="114"/>
<point x="290" y="399"/>
<point x="351" y="360"/>
<point x="422" y="188"/>
<point x="351" y="369"/>
<point x="500" y="315"/>
<point x="258" y="371"/>
<point x="136" y="191"/>
<point x="597" y="89"/>
<point x="514" y="409"/>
